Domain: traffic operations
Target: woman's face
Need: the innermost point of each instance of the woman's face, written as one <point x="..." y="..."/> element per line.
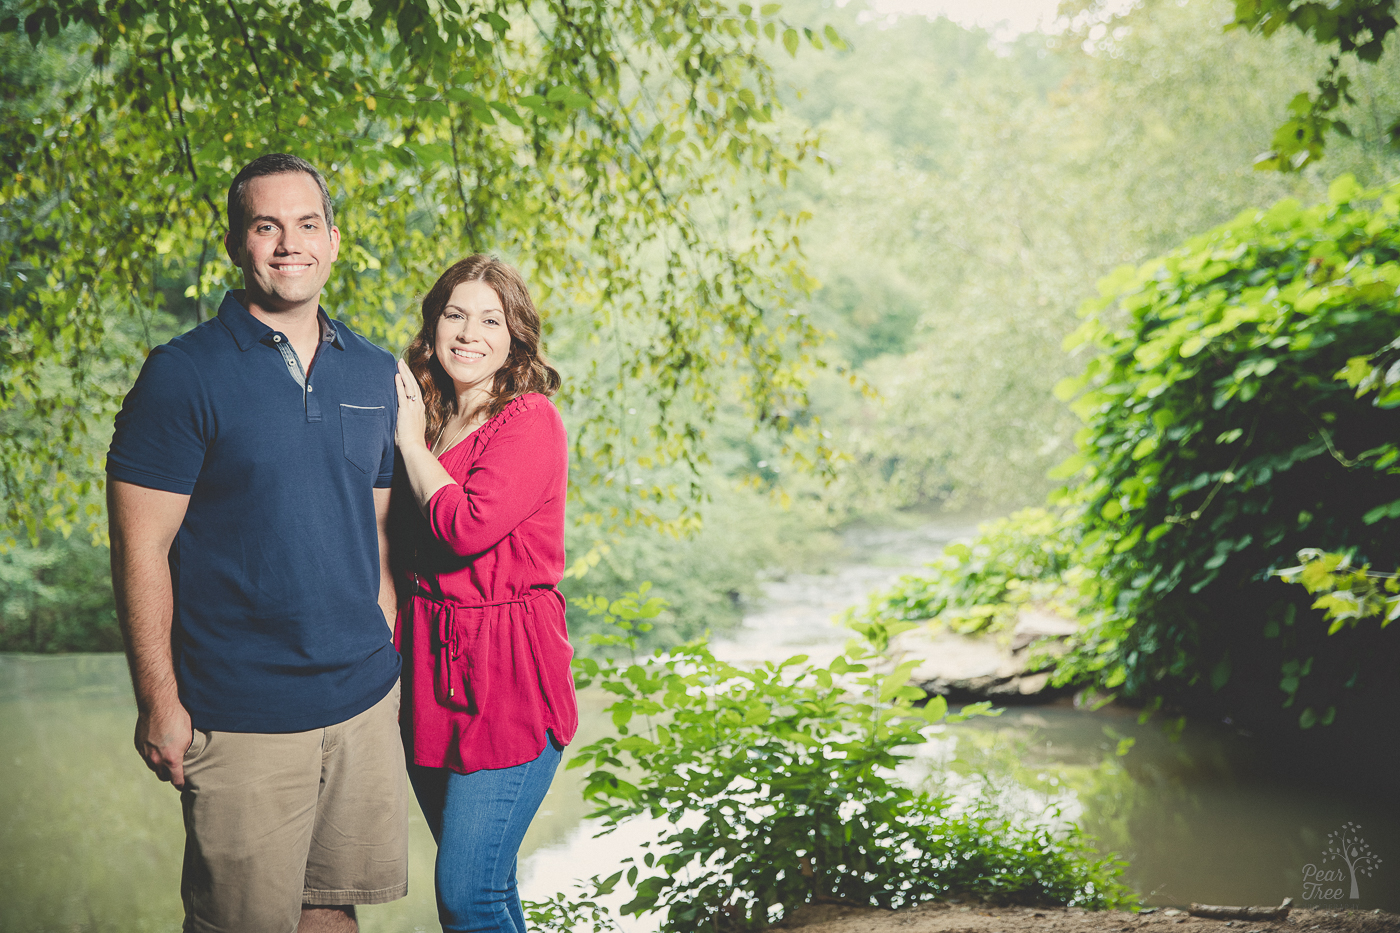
<point x="472" y="340"/>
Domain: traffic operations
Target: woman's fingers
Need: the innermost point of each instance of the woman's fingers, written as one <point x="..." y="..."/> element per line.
<point x="408" y="385"/>
<point x="409" y="428"/>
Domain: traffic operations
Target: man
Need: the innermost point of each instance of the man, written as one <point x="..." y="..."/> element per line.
<point x="247" y="501"/>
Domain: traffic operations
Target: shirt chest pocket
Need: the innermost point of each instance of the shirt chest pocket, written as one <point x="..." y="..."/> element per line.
<point x="365" y="433"/>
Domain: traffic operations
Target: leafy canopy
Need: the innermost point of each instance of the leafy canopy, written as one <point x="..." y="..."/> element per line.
<point x="613" y="150"/>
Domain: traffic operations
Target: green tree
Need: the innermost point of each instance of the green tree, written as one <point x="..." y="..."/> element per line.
<point x="57" y="596"/>
<point x="1222" y="437"/>
<point x="974" y="201"/>
<point x="974" y="196"/>
<point x="609" y="149"/>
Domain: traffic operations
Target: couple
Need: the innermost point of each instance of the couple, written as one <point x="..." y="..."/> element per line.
<point x="262" y="601"/>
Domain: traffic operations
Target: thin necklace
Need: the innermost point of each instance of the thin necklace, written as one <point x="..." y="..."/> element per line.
<point x="454" y="437"/>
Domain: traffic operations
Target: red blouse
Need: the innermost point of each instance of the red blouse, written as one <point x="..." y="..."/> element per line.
<point x="485" y="648"/>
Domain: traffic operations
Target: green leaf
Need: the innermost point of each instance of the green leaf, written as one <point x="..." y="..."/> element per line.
<point x="1382" y="512"/>
<point x="1220" y="674"/>
<point x="507" y="111"/>
<point x="568" y="97"/>
<point x="606" y="886"/>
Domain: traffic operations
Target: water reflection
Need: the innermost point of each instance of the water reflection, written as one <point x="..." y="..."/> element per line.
<point x="92" y="842"/>
<point x="1209" y="815"/>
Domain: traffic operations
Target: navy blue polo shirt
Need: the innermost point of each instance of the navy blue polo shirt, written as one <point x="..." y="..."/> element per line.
<point x="277" y="624"/>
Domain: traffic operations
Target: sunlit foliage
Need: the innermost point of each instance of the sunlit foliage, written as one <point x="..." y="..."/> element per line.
<point x="780" y="787"/>
<point x="611" y="149"/>
<point x="1221" y="439"/>
<point x="1358" y="30"/>
<point x="979" y="190"/>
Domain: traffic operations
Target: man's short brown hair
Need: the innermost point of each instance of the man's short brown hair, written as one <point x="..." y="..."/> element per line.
<point x="274" y="163"/>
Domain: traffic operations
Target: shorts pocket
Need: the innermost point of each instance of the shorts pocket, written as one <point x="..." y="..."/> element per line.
<point x="199" y="741"/>
<point x="365" y="433"/>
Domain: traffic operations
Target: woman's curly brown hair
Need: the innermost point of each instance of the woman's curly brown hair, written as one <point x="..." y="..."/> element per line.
<point x="525" y="369"/>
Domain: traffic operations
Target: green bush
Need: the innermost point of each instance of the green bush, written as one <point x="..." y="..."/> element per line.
<point x="979" y="586"/>
<point x="1219" y="443"/>
<point x="57" y="596"/>
<point x="778" y="784"/>
<point x="574" y="913"/>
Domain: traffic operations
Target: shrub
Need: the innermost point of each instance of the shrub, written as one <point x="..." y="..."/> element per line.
<point x="979" y="585"/>
<point x="56" y="595"/>
<point x="778" y="786"/>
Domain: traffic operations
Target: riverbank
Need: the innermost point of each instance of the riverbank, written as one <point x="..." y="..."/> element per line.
<point x="954" y="918"/>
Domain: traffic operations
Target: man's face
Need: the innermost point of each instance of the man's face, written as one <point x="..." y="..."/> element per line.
<point x="287" y="248"/>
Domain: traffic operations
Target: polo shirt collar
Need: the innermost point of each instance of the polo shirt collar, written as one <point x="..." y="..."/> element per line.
<point x="247" y="331"/>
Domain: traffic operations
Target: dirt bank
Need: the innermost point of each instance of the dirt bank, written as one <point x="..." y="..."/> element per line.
<point x="951" y="918"/>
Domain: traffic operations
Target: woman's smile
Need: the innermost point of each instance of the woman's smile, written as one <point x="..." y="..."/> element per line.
<point x="472" y="340"/>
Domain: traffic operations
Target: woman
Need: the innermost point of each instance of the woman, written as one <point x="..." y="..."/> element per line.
<point x="486" y="652"/>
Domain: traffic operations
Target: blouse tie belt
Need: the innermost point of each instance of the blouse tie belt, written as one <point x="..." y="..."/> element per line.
<point x="451" y="681"/>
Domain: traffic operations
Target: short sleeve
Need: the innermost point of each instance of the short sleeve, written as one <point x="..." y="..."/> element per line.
<point x="161" y="431"/>
<point x="388" y="455"/>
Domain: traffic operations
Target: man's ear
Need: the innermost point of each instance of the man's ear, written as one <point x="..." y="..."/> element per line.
<point x="233" y="246"/>
<point x="335" y="243"/>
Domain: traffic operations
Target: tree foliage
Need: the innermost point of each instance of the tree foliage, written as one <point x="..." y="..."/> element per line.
<point x="1358" y="29"/>
<point x="57" y="596"/>
<point x="980" y="187"/>
<point x="1222" y="437"/>
<point x="979" y="586"/>
<point x="1351" y="594"/>
<point x="611" y="149"/>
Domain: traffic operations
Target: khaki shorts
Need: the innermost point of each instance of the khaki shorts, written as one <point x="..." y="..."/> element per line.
<point x="275" y="821"/>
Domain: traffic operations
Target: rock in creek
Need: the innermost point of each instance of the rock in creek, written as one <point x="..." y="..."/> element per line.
<point x="969" y="668"/>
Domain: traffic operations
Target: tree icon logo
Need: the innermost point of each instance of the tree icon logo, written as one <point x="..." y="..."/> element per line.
<point x="1346" y="846"/>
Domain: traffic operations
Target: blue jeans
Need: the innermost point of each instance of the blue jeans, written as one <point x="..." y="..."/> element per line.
<point x="478" y="820"/>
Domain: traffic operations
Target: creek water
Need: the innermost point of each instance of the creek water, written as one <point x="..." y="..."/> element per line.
<point x="91" y="842"/>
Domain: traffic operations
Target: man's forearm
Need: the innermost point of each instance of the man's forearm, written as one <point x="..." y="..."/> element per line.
<point x="143" y="523"/>
<point x="145" y="609"/>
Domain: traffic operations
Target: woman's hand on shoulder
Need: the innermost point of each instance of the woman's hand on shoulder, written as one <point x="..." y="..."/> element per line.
<point x="412" y="422"/>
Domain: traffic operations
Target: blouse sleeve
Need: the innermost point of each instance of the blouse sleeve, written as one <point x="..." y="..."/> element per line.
<point x="524" y="465"/>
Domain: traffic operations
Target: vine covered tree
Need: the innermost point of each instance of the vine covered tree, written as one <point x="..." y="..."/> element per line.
<point x="1219" y="442"/>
